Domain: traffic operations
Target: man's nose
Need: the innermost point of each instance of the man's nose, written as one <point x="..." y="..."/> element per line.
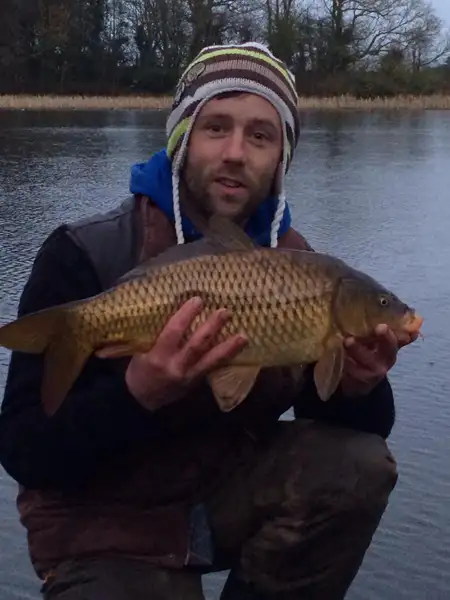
<point x="234" y="147"/>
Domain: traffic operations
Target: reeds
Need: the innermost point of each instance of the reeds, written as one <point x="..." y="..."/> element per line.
<point x="346" y="102"/>
<point x="48" y="102"/>
<point x="401" y="102"/>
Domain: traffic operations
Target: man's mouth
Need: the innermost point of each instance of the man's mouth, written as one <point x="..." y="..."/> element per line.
<point x="230" y="183"/>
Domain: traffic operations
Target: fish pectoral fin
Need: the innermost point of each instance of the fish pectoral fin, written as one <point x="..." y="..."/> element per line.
<point x="121" y="349"/>
<point x="64" y="360"/>
<point x="230" y="385"/>
<point x="328" y="372"/>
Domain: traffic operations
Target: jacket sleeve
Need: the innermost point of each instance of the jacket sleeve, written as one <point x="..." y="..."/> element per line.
<point x="373" y="413"/>
<point x="99" y="417"/>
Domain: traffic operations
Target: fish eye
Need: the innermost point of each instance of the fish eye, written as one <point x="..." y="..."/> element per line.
<point x="383" y="301"/>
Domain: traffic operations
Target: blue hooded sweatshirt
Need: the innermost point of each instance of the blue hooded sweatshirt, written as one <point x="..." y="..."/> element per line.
<point x="154" y="179"/>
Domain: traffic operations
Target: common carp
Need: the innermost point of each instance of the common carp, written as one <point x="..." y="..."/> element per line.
<point x="295" y="308"/>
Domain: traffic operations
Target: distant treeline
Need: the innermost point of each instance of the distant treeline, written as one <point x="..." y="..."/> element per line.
<point x="362" y="47"/>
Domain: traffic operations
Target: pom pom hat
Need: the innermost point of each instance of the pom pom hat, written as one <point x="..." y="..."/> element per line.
<point x="250" y="68"/>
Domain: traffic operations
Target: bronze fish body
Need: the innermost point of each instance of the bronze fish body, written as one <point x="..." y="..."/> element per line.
<point x="294" y="307"/>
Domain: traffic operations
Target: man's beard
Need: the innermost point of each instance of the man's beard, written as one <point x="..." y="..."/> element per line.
<point x="195" y="191"/>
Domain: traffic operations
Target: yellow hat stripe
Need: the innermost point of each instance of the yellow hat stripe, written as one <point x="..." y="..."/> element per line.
<point x="176" y="134"/>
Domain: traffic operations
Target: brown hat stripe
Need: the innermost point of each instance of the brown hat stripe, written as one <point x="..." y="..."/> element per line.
<point x="253" y="66"/>
<point x="235" y="61"/>
<point x="190" y="109"/>
<point x="248" y="48"/>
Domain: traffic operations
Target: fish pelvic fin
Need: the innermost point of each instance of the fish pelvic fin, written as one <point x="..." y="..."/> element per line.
<point x="231" y="385"/>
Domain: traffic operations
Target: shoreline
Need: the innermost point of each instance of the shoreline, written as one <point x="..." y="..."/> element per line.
<point x="142" y="102"/>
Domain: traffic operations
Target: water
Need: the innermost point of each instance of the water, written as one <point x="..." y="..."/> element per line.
<point x="371" y="188"/>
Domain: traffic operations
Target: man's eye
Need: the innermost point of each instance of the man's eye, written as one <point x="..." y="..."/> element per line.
<point x="260" y="137"/>
<point x="214" y="128"/>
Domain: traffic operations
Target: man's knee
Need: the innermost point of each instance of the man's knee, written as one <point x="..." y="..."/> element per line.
<point x="324" y="493"/>
<point x="320" y="463"/>
<point x="374" y="466"/>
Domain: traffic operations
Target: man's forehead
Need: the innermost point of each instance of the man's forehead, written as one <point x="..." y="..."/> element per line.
<point x="241" y="105"/>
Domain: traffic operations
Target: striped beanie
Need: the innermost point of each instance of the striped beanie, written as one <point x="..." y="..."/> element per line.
<point x="248" y="67"/>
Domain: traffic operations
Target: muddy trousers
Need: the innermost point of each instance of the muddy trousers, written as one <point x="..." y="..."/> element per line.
<point x="293" y="522"/>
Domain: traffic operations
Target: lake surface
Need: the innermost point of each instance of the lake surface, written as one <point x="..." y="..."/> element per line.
<point x="371" y="188"/>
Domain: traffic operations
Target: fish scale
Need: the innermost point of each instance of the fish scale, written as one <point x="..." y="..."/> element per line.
<point x="267" y="300"/>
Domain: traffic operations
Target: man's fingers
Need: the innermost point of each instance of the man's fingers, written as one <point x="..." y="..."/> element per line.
<point x="387" y="346"/>
<point x="356" y="370"/>
<point x="397" y="340"/>
<point x="173" y="333"/>
<point x="223" y="351"/>
<point x="381" y="349"/>
<point x="360" y="354"/>
<point x="386" y="336"/>
<point x="202" y="339"/>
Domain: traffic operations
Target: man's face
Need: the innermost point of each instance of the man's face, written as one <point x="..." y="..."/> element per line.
<point x="234" y="150"/>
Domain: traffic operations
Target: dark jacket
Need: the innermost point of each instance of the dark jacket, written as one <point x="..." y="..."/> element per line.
<point x="103" y="475"/>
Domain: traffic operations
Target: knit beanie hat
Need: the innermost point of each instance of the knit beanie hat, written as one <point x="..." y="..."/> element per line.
<point x="248" y="67"/>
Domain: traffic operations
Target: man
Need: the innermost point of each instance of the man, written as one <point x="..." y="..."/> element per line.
<point x="139" y="484"/>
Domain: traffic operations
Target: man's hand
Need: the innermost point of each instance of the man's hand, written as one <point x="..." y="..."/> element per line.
<point x="162" y="375"/>
<point x="368" y="361"/>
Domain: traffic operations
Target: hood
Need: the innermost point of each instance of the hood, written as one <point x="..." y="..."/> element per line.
<point x="153" y="178"/>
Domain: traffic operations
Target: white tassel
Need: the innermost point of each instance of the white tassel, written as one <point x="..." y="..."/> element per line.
<point x="279" y="213"/>
<point x="176" y="209"/>
<point x="275" y="227"/>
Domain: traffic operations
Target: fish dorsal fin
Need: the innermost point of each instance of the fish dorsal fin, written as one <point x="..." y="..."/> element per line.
<point x="224" y="233"/>
<point x="221" y="231"/>
<point x="171" y="255"/>
<point x="221" y="235"/>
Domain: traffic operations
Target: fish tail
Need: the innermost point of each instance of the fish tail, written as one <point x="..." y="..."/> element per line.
<point x="48" y="332"/>
<point x="64" y="361"/>
<point x="32" y="333"/>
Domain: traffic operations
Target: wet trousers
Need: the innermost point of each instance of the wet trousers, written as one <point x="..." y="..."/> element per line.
<point x="293" y="522"/>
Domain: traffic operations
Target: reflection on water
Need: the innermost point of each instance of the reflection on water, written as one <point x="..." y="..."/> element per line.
<point x="371" y="188"/>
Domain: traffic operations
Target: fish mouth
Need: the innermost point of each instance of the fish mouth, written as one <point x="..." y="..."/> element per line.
<point x="412" y="322"/>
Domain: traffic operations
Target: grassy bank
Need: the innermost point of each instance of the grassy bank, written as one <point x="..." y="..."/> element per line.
<point x="403" y="102"/>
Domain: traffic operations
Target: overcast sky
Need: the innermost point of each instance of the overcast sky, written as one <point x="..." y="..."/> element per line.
<point x="443" y="10"/>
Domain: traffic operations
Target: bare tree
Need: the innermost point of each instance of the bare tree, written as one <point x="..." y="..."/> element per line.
<point x="373" y="24"/>
<point x="427" y="42"/>
<point x="93" y="44"/>
<point x="283" y="18"/>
